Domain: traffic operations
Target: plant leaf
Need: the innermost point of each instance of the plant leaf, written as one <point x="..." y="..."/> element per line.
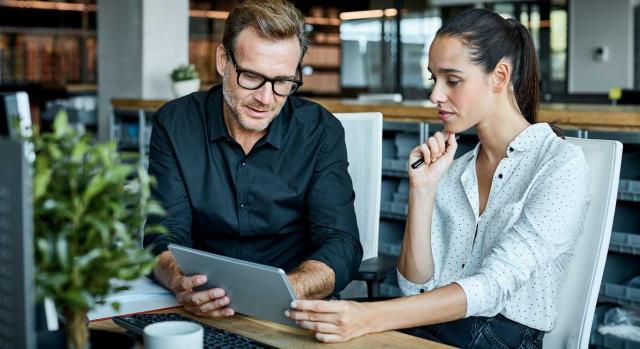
<point x="61" y="123"/>
<point x="62" y="251"/>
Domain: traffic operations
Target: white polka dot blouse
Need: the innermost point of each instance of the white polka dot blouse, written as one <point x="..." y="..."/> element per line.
<point x="512" y="259"/>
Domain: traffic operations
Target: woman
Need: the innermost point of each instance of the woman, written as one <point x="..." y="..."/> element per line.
<point x="489" y="236"/>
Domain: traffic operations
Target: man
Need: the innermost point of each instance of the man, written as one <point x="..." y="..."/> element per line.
<point x="247" y="172"/>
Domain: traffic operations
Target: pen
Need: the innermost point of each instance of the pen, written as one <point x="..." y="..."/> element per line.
<point x="420" y="161"/>
<point x="417" y="163"/>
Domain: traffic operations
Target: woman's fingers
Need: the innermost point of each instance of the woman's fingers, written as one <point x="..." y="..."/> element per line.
<point x="452" y="145"/>
<point x="332" y="321"/>
<point x="330" y="338"/>
<point x="441" y="140"/>
<point x="426" y="153"/>
<point x="434" y="149"/>
<point x="318" y="306"/>
<point x="415" y="154"/>
<point x="322" y="327"/>
<point x="311" y="316"/>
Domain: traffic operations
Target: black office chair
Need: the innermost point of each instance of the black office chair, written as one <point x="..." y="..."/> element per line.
<point x="373" y="271"/>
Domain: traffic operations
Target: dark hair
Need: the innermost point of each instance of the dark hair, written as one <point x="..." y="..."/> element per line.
<point x="492" y="38"/>
<point x="273" y="19"/>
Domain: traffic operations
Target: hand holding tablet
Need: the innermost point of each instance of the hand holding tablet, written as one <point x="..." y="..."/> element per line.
<point x="253" y="289"/>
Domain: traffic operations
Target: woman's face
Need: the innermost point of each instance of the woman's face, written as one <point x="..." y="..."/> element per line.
<point x="462" y="90"/>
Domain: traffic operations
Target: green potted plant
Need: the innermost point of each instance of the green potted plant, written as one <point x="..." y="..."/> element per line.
<point x="89" y="207"/>
<point x="185" y="80"/>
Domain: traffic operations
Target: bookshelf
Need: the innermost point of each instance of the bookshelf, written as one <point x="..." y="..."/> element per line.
<point x="49" y="50"/>
<point x="56" y="44"/>
<point x="52" y="43"/>
<point x="47" y="58"/>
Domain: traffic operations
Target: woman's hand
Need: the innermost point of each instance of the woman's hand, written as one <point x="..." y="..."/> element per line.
<point x="331" y="321"/>
<point x="437" y="153"/>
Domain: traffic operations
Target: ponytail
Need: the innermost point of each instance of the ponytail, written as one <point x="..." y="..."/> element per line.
<point x="525" y="77"/>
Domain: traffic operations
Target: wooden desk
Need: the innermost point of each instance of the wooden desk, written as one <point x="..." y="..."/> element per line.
<point x="288" y="337"/>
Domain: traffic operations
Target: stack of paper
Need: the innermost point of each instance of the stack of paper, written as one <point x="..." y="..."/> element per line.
<point x="143" y="295"/>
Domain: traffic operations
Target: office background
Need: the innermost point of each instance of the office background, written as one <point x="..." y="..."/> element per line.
<point x="81" y="55"/>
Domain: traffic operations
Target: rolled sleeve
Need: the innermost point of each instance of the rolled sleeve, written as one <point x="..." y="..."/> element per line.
<point x="169" y="191"/>
<point x="549" y="225"/>
<point x="408" y="288"/>
<point x="330" y="210"/>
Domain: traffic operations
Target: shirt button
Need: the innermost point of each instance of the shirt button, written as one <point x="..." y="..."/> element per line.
<point x="242" y="205"/>
<point x="243" y="163"/>
<point x="500" y="176"/>
<point x="462" y="265"/>
<point x="510" y="148"/>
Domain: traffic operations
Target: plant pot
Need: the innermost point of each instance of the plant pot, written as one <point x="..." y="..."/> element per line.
<point x="183" y="88"/>
<point x="98" y="339"/>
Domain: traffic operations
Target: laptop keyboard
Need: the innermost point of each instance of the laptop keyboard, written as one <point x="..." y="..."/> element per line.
<point x="213" y="337"/>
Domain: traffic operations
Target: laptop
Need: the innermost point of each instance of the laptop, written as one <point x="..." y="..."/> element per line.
<point x="254" y="289"/>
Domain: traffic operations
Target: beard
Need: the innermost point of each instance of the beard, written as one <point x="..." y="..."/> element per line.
<point x="246" y="123"/>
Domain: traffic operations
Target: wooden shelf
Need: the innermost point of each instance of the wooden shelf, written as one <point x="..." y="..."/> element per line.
<point x="323" y="68"/>
<point x="327" y="44"/>
<point x="47" y="31"/>
<point x="81" y="88"/>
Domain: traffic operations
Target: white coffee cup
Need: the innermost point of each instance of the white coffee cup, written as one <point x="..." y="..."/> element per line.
<point x="173" y="335"/>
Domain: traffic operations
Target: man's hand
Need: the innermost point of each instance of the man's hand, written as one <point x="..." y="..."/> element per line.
<point x="208" y="303"/>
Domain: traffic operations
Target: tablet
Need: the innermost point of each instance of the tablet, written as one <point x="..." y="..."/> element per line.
<point x="254" y="289"/>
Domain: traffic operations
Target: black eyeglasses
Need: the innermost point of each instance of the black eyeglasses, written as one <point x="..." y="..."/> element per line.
<point x="252" y="80"/>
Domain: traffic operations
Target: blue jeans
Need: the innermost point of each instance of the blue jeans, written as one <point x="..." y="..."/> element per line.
<point x="481" y="332"/>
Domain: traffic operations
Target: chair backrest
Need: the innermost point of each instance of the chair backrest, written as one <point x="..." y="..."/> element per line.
<point x="579" y="294"/>
<point x="363" y="135"/>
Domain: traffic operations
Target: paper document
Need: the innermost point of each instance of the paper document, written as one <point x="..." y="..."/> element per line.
<point x="143" y="295"/>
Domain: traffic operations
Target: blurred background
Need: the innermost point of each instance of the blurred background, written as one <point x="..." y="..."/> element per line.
<point x="52" y="48"/>
<point x="110" y="64"/>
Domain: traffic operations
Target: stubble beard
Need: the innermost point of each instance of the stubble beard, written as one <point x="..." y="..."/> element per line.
<point x="232" y="103"/>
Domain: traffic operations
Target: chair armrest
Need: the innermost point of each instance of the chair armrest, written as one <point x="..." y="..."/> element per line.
<point x="376" y="268"/>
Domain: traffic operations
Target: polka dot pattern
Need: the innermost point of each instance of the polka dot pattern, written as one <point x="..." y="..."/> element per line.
<point x="512" y="259"/>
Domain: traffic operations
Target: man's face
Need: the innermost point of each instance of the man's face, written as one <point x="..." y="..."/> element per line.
<point x="255" y="109"/>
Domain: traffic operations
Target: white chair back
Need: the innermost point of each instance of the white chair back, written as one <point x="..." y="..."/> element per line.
<point x="579" y="294"/>
<point x="363" y="135"/>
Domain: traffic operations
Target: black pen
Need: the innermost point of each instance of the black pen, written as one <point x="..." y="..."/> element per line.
<point x="420" y="161"/>
<point x="417" y="163"/>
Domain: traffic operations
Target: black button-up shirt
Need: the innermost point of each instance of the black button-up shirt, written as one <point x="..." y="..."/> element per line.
<point x="289" y="200"/>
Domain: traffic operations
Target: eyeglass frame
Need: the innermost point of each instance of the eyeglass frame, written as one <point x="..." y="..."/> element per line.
<point x="265" y="79"/>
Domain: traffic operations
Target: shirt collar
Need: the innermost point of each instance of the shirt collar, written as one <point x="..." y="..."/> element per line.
<point x="274" y="132"/>
<point x="530" y="136"/>
<point x="218" y="129"/>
